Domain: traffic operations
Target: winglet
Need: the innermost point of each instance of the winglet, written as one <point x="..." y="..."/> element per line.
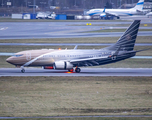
<point x="142" y="50"/>
<point x="104" y="9"/>
<point x="75" y="47"/>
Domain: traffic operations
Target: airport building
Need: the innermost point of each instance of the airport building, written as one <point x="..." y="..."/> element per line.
<point x="72" y="7"/>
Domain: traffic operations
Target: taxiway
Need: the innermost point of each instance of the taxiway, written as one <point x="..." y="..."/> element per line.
<point x="84" y="72"/>
<point x="30" y="30"/>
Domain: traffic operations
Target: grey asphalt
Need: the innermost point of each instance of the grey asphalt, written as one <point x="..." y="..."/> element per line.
<point x="84" y="72"/>
<point x="30" y="30"/>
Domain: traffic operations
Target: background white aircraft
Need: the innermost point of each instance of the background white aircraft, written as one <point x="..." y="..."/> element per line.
<point x="118" y="12"/>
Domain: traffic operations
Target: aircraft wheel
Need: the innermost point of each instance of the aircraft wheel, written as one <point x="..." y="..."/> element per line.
<point x="77" y="70"/>
<point x="23" y="71"/>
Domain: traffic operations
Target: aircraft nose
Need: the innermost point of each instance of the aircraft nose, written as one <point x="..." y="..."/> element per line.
<point x="9" y="60"/>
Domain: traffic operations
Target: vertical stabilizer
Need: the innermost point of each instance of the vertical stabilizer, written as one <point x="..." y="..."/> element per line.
<point x="139" y="5"/>
<point x="127" y="40"/>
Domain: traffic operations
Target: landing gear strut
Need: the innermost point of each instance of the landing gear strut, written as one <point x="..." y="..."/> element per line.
<point x="77" y="70"/>
<point x="22" y="69"/>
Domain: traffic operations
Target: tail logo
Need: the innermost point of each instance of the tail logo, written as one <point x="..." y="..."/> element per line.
<point x="141" y="3"/>
<point x="128" y="37"/>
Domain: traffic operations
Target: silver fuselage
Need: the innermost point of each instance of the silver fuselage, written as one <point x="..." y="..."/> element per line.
<point x="47" y="57"/>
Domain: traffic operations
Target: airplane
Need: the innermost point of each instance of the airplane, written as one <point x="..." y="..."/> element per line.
<point x="118" y="12"/>
<point x="68" y="59"/>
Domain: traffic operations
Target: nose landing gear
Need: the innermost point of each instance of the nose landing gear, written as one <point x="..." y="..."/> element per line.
<point x="77" y="70"/>
<point x="22" y="69"/>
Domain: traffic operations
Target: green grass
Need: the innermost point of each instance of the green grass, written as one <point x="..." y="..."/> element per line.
<point x="91" y="118"/>
<point x="140" y="39"/>
<point x="115" y="30"/>
<point x="59" y="96"/>
<point x="64" y="40"/>
<point x="14" y="49"/>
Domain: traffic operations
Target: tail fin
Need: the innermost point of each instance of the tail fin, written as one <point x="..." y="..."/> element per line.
<point x="127" y="40"/>
<point x="139" y="5"/>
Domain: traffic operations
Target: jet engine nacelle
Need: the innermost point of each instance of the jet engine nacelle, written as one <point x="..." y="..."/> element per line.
<point x="103" y="15"/>
<point x="61" y="65"/>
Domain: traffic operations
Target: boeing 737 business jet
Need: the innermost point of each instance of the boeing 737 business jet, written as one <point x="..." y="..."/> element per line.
<point x="75" y="58"/>
<point x="118" y="12"/>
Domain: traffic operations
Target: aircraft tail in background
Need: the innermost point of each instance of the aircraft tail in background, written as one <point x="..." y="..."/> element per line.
<point x="127" y="41"/>
<point x="139" y="5"/>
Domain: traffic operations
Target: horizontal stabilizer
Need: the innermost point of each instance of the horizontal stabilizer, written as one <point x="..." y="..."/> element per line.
<point x="142" y="50"/>
<point x="75" y="47"/>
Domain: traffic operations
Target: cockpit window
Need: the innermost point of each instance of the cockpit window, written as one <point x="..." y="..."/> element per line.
<point x="18" y="55"/>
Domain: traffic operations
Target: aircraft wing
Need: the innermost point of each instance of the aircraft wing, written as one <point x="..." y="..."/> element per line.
<point x="111" y="14"/>
<point x="88" y="61"/>
<point x="7" y="54"/>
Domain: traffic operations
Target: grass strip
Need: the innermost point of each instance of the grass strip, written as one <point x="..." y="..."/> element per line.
<point x="140" y="39"/>
<point x="14" y="49"/>
<point x="88" y="118"/>
<point x="114" y="30"/>
<point x="59" y="96"/>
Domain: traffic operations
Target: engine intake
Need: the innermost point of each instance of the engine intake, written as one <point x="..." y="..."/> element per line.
<point x="61" y="65"/>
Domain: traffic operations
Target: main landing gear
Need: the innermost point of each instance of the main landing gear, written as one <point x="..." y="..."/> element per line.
<point x="77" y="70"/>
